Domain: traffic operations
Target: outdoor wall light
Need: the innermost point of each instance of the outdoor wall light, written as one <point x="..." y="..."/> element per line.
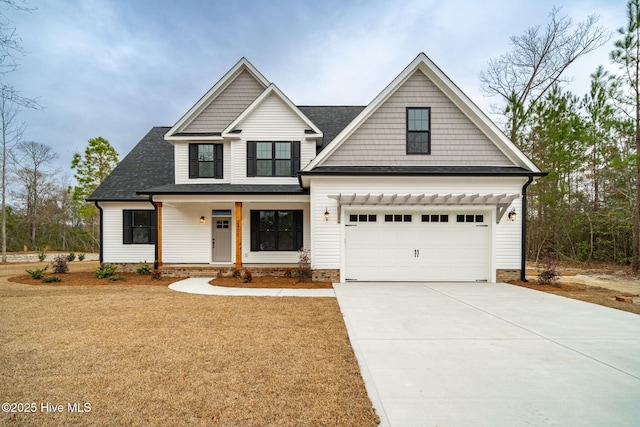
<point x="512" y="214"/>
<point x="202" y="220"/>
<point x="326" y="214"/>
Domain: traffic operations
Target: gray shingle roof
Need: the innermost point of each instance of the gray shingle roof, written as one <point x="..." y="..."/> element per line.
<point x="330" y="119"/>
<point x="149" y="164"/>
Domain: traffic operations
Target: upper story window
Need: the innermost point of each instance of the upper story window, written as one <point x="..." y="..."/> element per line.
<point x="419" y="130"/>
<point x="205" y="161"/>
<point x="273" y="158"/>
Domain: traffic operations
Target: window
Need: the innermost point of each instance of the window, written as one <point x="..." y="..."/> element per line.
<point x="205" y="161"/>
<point x="363" y="218"/>
<point x="435" y="218"/>
<point x="276" y="230"/>
<point x="397" y="218"/>
<point x="139" y="227"/>
<point x="273" y="158"/>
<point x="469" y="218"/>
<point x="419" y="130"/>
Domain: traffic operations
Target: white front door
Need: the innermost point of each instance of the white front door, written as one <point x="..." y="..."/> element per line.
<point x="221" y="239"/>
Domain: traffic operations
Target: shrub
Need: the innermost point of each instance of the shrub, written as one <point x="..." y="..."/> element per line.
<point x="156" y="274"/>
<point x="42" y="255"/>
<point x="60" y="264"/>
<point x="237" y="273"/>
<point x="71" y="257"/>
<point x="248" y="277"/>
<point x="288" y="273"/>
<point x="38" y="273"/>
<point x="304" y="265"/>
<point x="81" y="257"/>
<point x="117" y="278"/>
<point x="51" y="279"/>
<point x="105" y="270"/>
<point x="144" y="269"/>
<point x="549" y="274"/>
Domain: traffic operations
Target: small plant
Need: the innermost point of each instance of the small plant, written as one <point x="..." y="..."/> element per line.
<point x="105" y="270"/>
<point x="60" y="264"/>
<point x="81" y="257"/>
<point x="288" y="273"/>
<point x="248" y="277"/>
<point x="117" y="278"/>
<point x="71" y="257"/>
<point x="549" y="274"/>
<point x="38" y="273"/>
<point x="237" y="273"/>
<point x="156" y="274"/>
<point x="144" y="269"/>
<point x="51" y="279"/>
<point x="42" y="255"/>
<point x="304" y="265"/>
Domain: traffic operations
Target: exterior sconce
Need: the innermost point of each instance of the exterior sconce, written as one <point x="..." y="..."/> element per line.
<point x="512" y="214"/>
<point x="202" y="220"/>
<point x="326" y="214"/>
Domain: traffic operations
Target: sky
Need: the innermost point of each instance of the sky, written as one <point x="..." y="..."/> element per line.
<point x="116" y="68"/>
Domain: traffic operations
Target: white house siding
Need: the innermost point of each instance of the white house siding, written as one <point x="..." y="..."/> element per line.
<point x="186" y="240"/>
<point x="381" y="139"/>
<point x="113" y="250"/>
<point x="273" y="120"/>
<point x="228" y="105"/>
<point x="181" y="158"/>
<point x="327" y="236"/>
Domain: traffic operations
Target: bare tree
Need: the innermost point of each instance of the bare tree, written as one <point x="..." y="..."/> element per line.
<point x="10" y="43"/>
<point x="536" y="63"/>
<point x="33" y="162"/>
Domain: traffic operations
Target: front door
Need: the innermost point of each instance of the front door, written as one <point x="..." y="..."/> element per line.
<point x="221" y="240"/>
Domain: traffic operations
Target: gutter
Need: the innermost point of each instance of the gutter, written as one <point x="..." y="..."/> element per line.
<point x="523" y="260"/>
<point x="101" y="229"/>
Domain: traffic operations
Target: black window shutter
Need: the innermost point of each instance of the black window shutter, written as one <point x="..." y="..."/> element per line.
<point x="295" y="158"/>
<point x="193" y="161"/>
<point x="218" y="165"/>
<point x="255" y="231"/>
<point x="298" y="227"/>
<point x="251" y="158"/>
<point x="153" y="227"/>
<point x="127" y="231"/>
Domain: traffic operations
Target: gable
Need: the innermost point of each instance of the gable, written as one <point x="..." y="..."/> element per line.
<point x="381" y="139"/>
<point x="223" y="109"/>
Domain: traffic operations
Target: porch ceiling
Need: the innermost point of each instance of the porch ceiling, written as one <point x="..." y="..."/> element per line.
<point x="501" y="201"/>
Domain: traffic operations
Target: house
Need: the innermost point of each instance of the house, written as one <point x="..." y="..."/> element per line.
<point x="419" y="185"/>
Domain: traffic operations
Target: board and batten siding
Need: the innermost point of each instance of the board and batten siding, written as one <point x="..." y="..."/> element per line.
<point x="272" y="120"/>
<point x="228" y="105"/>
<point x="381" y="139"/>
<point x="181" y="158"/>
<point x="327" y="237"/>
<point x="113" y="250"/>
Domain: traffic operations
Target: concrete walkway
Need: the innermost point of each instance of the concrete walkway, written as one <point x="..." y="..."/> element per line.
<point x="466" y="354"/>
<point x="200" y="285"/>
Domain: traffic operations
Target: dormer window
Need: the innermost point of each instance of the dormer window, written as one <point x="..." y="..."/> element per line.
<point x="419" y="130"/>
<point x="205" y="161"/>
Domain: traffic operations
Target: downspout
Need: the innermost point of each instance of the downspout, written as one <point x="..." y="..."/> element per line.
<point x="155" y="250"/>
<point x="101" y="230"/>
<point x="523" y="254"/>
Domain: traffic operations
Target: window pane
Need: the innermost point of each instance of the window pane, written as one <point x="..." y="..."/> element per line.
<point x="460" y="218"/>
<point x="263" y="150"/>
<point x="353" y="218"/>
<point x="267" y="240"/>
<point x="373" y="218"/>
<point x="388" y="218"/>
<point x="283" y="150"/>
<point x="425" y="218"/>
<point x="362" y="218"/>
<point x="479" y="218"/>
<point x="285" y="220"/>
<point x="267" y="220"/>
<point x="418" y="142"/>
<point x="408" y="218"/>
<point x="283" y="167"/>
<point x="205" y="152"/>
<point x="140" y="235"/>
<point x="435" y="218"/>
<point x="205" y="170"/>
<point x="140" y="219"/>
<point x="444" y="218"/>
<point x="264" y="167"/>
<point x="285" y="241"/>
<point x="397" y="218"/>
<point x="418" y="119"/>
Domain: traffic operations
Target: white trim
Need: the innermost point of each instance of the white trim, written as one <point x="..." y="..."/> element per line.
<point x="426" y="66"/>
<point x="272" y="89"/>
<point x="194" y="111"/>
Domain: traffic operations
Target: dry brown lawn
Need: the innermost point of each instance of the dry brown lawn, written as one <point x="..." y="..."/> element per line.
<point x="146" y="355"/>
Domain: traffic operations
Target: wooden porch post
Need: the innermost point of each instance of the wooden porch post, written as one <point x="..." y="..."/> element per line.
<point x="238" y="234"/>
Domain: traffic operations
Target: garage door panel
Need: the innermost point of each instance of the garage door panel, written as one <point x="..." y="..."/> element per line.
<point x="412" y="250"/>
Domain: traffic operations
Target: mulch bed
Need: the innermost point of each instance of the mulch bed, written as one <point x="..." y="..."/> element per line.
<point x="269" y="282"/>
<point x="87" y="278"/>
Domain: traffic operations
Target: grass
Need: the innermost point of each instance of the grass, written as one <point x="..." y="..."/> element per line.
<point x="143" y="354"/>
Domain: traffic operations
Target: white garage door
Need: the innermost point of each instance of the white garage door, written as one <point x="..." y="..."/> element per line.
<point x="429" y="246"/>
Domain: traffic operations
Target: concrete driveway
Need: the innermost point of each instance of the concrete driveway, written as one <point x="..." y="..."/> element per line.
<point x="462" y="354"/>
